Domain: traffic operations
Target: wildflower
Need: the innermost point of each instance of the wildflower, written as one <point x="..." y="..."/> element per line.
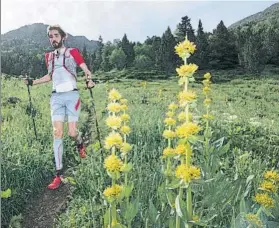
<point x="113" y="191"/>
<point x="207" y="76"/>
<point x="114" y="122"/>
<point x="187" y="129"/>
<point x="268" y="186"/>
<point x="206" y="82"/>
<point x="170" y="114"/>
<point x="196" y="218"/>
<point x="186" y="96"/>
<point x="113" y="139"/>
<point x="207" y="101"/>
<point x="124" y="107"/>
<point x="254" y="219"/>
<point x="170" y="121"/>
<point x="206" y="90"/>
<point x="125" y="148"/>
<point x="125" y="130"/>
<point x="123" y="101"/>
<point x="208" y="116"/>
<point x="113" y="163"/>
<point x="173" y="106"/>
<point x="186" y="70"/>
<point x="114" y="107"/>
<point x="168" y="152"/>
<point x="187" y="173"/>
<point x="185" y="48"/>
<point x="114" y="95"/>
<point x="271" y="175"/>
<point x="182" y="116"/>
<point x="265" y="200"/>
<point x="125" y="117"/>
<point x="168" y="134"/>
<point x="182" y="149"/>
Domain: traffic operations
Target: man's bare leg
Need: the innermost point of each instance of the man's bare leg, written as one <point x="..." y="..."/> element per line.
<point x="76" y="135"/>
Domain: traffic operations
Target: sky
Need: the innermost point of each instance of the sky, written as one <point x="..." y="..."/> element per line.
<point x="111" y="19"/>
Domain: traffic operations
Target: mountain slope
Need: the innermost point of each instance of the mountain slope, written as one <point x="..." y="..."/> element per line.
<point x="267" y="14"/>
<point x="34" y="38"/>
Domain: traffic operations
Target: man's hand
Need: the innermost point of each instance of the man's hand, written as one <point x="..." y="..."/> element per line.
<point x="90" y="84"/>
<point x="88" y="75"/>
<point x="28" y="81"/>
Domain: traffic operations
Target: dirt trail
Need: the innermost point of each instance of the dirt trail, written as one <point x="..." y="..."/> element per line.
<point x="42" y="209"/>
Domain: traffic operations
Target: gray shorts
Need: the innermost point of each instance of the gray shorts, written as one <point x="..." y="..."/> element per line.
<point x="65" y="106"/>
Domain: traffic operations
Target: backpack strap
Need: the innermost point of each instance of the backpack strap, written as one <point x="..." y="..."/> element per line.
<point x="64" y="65"/>
<point x="53" y="56"/>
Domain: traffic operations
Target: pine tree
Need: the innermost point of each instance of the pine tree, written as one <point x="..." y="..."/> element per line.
<point x="106" y="52"/>
<point x="85" y="55"/>
<point x="98" y="55"/>
<point x="223" y="53"/>
<point x="183" y="28"/>
<point x="167" y="51"/>
<point x="156" y="49"/>
<point x="128" y="49"/>
<point x="202" y="53"/>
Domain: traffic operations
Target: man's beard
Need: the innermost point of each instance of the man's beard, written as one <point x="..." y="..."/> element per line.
<point x="57" y="45"/>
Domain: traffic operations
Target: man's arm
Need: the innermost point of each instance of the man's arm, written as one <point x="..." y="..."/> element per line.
<point x="80" y="61"/>
<point x="85" y="69"/>
<point x="41" y="80"/>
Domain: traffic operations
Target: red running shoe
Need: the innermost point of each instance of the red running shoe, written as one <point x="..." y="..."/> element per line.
<point x="81" y="150"/>
<point x="55" y="183"/>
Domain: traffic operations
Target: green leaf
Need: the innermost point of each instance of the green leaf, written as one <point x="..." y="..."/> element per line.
<point x="181" y="208"/>
<point x="6" y="194"/>
<point x="224" y="149"/>
<point x="243" y="206"/>
<point x="70" y="180"/>
<point x="115" y="175"/>
<point x="267" y="212"/>
<point x="127" y="168"/>
<point x="152" y="212"/>
<point x="106" y="218"/>
<point x="171" y="198"/>
<point x="208" y="134"/>
<point x="176" y="183"/>
<point x="191" y="79"/>
<point x="199" y="181"/>
<point x="128" y="189"/>
<point x="218" y="143"/>
<point x="249" y="178"/>
<point x="131" y="210"/>
<point x="96" y="146"/>
<point x="240" y="222"/>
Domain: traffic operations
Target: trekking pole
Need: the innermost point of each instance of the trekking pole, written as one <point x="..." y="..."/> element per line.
<point x="31" y="107"/>
<point x="97" y="125"/>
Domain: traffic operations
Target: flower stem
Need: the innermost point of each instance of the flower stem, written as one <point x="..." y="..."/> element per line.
<point x="189" y="206"/>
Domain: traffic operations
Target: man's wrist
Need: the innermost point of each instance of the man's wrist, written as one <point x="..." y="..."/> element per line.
<point x="31" y="82"/>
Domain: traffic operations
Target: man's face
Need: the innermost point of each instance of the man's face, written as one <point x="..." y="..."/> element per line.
<point x="55" y="39"/>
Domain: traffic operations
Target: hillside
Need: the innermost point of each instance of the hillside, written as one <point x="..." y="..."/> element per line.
<point x="267" y="14"/>
<point x="33" y="38"/>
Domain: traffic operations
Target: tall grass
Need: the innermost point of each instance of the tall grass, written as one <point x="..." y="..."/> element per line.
<point x="27" y="164"/>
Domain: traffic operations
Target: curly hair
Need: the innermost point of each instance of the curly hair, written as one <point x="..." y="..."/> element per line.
<point x="62" y="33"/>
